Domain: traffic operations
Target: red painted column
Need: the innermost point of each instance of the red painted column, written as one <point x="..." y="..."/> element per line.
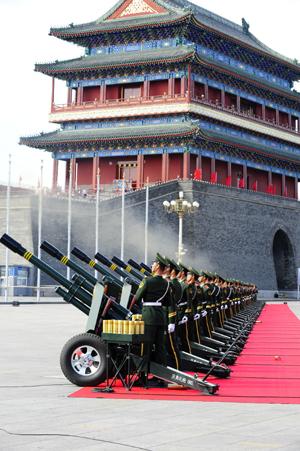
<point x="95" y="172"/>
<point x="290" y="121"/>
<point x="189" y="82"/>
<point x="283" y="185"/>
<point x="277" y="117"/>
<point x="171" y="87"/>
<point x="140" y="170"/>
<point x="73" y="163"/>
<point x="206" y="92"/>
<point x="245" y="175"/>
<point x="54" y="175"/>
<point x="53" y="94"/>
<point x="263" y="109"/>
<point x="183" y="86"/>
<point x="146" y="89"/>
<point x="213" y="174"/>
<point x="296" y="188"/>
<point x="79" y="95"/>
<point x="270" y="183"/>
<point x="238" y="103"/>
<point x="186" y="165"/>
<point x="223" y="98"/>
<point x="229" y="177"/>
<point x="69" y="97"/>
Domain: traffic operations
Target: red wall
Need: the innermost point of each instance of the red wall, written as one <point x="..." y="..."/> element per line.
<point x="283" y="119"/>
<point x="236" y="172"/>
<point x="158" y="87"/>
<point x="221" y="169"/>
<point x="206" y="169"/>
<point x="177" y="86"/>
<point x="91" y="93"/>
<point x="113" y="92"/>
<point x="290" y="184"/>
<point x="214" y="94"/>
<point x="108" y="171"/>
<point x="175" y="166"/>
<point x="199" y="89"/>
<point x="230" y="100"/>
<point x="270" y="114"/>
<point x="262" y="178"/>
<point x="277" y="184"/>
<point x="85" y="171"/>
<point x="193" y="165"/>
<point x="153" y="167"/>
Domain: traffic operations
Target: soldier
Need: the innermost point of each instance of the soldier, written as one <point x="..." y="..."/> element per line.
<point x="156" y="295"/>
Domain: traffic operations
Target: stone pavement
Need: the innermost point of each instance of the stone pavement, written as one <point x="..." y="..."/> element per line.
<point x="34" y="402"/>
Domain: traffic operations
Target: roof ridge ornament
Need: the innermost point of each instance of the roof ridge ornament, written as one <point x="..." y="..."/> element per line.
<point x="245" y="26"/>
<point x="136" y="8"/>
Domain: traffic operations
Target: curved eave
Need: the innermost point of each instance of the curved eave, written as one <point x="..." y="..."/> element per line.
<point x="240" y="144"/>
<point x="224" y="69"/>
<point x="270" y="54"/>
<point x="52" y="70"/>
<point x="96" y="29"/>
<point x="55" y="140"/>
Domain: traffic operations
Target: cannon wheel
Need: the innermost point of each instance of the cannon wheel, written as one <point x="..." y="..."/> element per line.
<point x="83" y="360"/>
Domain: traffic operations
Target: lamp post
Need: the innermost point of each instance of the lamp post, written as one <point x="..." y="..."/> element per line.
<point x="181" y="207"/>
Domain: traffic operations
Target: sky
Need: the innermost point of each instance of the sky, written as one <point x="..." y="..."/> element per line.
<point x="26" y="95"/>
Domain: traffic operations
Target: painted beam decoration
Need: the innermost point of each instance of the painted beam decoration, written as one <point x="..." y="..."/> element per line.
<point x="137" y="8"/>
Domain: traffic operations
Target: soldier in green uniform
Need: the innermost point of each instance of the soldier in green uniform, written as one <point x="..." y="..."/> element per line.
<point x="155" y="292"/>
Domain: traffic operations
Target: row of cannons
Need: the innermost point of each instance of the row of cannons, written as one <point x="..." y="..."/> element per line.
<point x="85" y="360"/>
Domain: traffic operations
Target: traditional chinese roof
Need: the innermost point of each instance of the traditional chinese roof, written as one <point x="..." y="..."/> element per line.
<point x="61" y="69"/>
<point x="175" y="10"/>
<point x="222" y="138"/>
<point x="56" y="139"/>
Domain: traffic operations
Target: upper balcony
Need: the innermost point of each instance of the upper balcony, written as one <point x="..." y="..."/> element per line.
<point x="176" y="96"/>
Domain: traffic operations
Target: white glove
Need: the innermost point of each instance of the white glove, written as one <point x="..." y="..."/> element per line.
<point x="225" y="307"/>
<point x="184" y="319"/>
<point x="239" y="302"/>
<point x="203" y="313"/>
<point x="217" y="310"/>
<point x="222" y="307"/>
<point x="171" y="328"/>
<point x="197" y="316"/>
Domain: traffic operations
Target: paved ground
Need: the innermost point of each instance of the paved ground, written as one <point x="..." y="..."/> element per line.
<point x="34" y="407"/>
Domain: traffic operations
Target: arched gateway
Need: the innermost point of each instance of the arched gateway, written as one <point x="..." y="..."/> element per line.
<point x="284" y="261"/>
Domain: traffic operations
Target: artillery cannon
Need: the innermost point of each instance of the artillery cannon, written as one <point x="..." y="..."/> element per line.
<point x="83" y="358"/>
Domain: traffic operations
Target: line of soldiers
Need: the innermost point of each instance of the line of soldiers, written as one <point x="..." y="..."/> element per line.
<point x="183" y="305"/>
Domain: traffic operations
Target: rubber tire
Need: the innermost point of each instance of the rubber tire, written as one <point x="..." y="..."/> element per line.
<point x="65" y="360"/>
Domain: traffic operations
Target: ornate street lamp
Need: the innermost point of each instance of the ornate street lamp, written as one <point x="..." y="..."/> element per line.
<point x="181" y="207"/>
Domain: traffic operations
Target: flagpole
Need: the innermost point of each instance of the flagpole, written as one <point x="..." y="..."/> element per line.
<point x="70" y="214"/>
<point x="97" y="216"/>
<point x="38" y="291"/>
<point x="147" y="221"/>
<point x="7" y="224"/>
<point x="123" y="219"/>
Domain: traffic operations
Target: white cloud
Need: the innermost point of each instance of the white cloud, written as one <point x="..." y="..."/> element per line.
<point x="25" y="95"/>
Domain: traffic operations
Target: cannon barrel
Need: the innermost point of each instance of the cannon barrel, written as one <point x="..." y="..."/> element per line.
<point x="66" y="297"/>
<point x="128" y="268"/>
<point x="115" y="268"/>
<point x="56" y="253"/>
<point x="16" y="247"/>
<point x="98" y="267"/>
<point x="146" y="267"/>
<point x="135" y="265"/>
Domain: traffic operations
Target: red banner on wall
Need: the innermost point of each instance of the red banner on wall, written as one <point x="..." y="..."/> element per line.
<point x="241" y="183"/>
<point x="254" y="186"/>
<point x="198" y="174"/>
<point x="214" y="177"/>
<point x="228" y="181"/>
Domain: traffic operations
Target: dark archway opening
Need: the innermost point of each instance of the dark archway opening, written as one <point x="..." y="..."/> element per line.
<point x="284" y="262"/>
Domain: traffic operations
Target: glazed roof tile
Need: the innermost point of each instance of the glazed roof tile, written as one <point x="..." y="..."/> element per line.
<point x="86" y="63"/>
<point x="58" y="137"/>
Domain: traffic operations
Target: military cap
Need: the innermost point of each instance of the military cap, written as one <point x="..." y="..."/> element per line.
<point x="161" y="260"/>
<point x="194" y="271"/>
<point x="173" y="264"/>
<point x="183" y="268"/>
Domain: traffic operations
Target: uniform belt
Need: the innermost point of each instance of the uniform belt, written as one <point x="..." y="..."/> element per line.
<point x="152" y="304"/>
<point x="182" y="304"/>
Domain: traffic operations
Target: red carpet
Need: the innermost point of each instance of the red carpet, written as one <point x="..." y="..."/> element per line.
<point x="267" y="371"/>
